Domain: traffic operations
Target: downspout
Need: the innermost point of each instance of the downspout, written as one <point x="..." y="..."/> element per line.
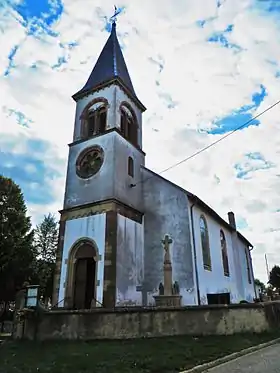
<point x="195" y="257"/>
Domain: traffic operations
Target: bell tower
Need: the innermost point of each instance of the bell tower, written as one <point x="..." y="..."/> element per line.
<point x="100" y="254"/>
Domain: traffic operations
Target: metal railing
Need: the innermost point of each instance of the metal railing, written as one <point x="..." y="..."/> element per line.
<point x="66" y="298"/>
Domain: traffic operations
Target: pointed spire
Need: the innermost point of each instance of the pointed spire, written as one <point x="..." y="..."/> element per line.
<point x="109" y="66"/>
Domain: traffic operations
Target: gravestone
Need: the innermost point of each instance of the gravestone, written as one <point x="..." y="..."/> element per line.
<point x="18" y="316"/>
<point x="6" y="317"/>
<point x="144" y="290"/>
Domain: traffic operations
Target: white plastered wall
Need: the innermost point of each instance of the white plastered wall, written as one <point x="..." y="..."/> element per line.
<point x="249" y="287"/>
<point x="89" y="227"/>
<point x="130" y="262"/>
<point x="215" y="281"/>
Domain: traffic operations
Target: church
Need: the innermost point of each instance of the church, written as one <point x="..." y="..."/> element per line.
<point x="117" y="212"/>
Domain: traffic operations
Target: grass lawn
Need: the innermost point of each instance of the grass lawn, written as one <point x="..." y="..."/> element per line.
<point x="157" y="355"/>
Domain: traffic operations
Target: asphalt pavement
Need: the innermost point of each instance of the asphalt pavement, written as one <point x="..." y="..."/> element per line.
<point x="266" y="360"/>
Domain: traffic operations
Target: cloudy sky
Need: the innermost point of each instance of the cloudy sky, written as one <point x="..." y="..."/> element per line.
<point x="201" y="67"/>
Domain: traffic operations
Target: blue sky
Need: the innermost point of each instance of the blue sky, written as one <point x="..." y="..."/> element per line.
<point x="29" y="172"/>
<point x="240" y="116"/>
<point x="221" y="38"/>
<point x="247" y="168"/>
<point x="39" y="16"/>
<point x="201" y="69"/>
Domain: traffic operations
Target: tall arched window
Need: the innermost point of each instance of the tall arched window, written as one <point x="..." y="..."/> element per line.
<point x="224" y="253"/>
<point x="205" y="243"/>
<point x="128" y="125"/>
<point x="130" y="167"/>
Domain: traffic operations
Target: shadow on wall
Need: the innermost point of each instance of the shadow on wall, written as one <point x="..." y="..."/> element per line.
<point x="128" y="269"/>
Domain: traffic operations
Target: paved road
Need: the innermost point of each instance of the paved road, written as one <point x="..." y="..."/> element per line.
<point x="266" y="360"/>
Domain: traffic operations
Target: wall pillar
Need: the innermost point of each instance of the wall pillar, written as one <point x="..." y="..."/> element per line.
<point x="59" y="253"/>
<point x="109" y="290"/>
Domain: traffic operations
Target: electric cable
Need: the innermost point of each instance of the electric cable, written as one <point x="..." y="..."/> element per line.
<point x="208" y="146"/>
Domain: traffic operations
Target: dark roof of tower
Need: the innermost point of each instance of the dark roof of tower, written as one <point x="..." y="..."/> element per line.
<point x="110" y="65"/>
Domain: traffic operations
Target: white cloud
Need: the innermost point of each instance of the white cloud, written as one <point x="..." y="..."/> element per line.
<point x="205" y="80"/>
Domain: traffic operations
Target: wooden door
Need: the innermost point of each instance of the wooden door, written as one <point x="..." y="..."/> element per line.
<point x="80" y="283"/>
<point x="90" y="285"/>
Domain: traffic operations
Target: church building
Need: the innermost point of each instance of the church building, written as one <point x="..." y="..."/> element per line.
<point x="117" y="212"/>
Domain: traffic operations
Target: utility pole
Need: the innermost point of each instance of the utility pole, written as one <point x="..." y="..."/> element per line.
<point x="266" y="262"/>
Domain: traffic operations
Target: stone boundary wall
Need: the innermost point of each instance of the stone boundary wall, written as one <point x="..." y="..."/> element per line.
<point x="135" y="322"/>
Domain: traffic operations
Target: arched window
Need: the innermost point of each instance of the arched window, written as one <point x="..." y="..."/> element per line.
<point x="247" y="254"/>
<point x="90" y="124"/>
<point x="102" y="119"/>
<point x="128" y="125"/>
<point x="224" y="253"/>
<point x="130" y="167"/>
<point x="95" y="120"/>
<point x="205" y="243"/>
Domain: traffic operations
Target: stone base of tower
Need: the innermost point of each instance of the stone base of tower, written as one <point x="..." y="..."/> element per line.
<point x="100" y="244"/>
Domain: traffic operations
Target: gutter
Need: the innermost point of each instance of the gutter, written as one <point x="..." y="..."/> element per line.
<point x="195" y="257"/>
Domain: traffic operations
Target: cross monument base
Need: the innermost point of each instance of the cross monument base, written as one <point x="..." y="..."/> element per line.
<point x="168" y="300"/>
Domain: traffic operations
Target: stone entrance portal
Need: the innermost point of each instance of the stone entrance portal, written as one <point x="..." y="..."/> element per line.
<point x="82" y="276"/>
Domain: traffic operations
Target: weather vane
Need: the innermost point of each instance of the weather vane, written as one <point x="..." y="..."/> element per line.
<point x="114" y="16"/>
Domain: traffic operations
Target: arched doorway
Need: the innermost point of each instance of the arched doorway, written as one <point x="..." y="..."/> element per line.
<point x="82" y="276"/>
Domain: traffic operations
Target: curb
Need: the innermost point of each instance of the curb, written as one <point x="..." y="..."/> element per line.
<point x="225" y="359"/>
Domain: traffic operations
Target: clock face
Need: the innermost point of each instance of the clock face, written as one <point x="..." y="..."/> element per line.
<point x="89" y="162"/>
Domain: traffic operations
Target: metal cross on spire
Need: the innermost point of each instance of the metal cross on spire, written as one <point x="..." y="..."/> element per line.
<point x="114" y="16"/>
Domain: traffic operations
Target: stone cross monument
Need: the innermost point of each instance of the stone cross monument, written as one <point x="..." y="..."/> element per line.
<point x="167" y="266"/>
<point x="168" y="293"/>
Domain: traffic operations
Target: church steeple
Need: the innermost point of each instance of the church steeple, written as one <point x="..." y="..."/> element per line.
<point x="102" y="214"/>
<point x="110" y="67"/>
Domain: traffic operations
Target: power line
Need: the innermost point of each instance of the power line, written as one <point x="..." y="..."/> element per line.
<point x="210" y="145"/>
